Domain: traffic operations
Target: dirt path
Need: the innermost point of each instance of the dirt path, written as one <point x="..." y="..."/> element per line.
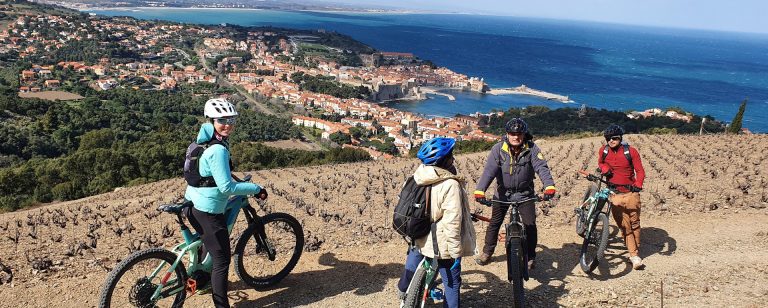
<point x="703" y="260"/>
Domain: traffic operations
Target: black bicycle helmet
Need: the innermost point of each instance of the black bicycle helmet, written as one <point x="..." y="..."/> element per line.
<point x="516" y="125"/>
<point x="613" y="130"/>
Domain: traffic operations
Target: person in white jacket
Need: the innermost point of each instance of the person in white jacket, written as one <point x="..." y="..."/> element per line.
<point x="450" y="212"/>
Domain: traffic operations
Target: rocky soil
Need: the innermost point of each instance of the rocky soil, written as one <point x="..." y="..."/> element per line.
<point x="704" y="217"/>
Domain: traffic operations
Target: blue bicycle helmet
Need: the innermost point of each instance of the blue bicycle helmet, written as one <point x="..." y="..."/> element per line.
<point x="435" y="149"/>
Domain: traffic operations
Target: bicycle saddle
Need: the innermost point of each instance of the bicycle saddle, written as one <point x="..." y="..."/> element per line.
<point x="175" y="208"/>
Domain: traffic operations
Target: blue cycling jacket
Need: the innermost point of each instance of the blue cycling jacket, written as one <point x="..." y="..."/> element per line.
<point x="215" y="162"/>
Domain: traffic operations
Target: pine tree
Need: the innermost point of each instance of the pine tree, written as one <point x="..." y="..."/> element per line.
<point x="735" y="126"/>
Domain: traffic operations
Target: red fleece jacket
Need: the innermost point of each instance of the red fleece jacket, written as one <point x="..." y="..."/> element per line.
<point x="619" y="165"/>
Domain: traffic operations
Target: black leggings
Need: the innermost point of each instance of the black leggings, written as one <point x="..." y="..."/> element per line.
<point x="213" y="231"/>
<point x="527" y="215"/>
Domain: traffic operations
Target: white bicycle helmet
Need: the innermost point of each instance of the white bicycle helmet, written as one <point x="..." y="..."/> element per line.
<point x="219" y="108"/>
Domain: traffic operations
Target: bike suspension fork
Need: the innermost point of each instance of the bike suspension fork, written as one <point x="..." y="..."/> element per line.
<point x="515" y="228"/>
<point x="260" y="235"/>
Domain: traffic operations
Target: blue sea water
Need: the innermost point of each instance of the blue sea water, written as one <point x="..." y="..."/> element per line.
<point x="601" y="65"/>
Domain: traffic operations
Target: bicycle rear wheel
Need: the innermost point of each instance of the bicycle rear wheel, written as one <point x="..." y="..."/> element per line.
<point x="134" y="280"/>
<point x="515" y="263"/>
<point x="415" y="293"/>
<point x="593" y="247"/>
<point x="284" y="235"/>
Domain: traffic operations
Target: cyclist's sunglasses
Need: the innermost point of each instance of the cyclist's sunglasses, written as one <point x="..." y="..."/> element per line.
<point x="226" y="121"/>
<point x="617" y="138"/>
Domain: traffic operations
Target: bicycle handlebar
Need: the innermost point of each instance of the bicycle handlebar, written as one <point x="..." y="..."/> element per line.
<point x="246" y="178"/>
<point x="594" y="178"/>
<point x="492" y="202"/>
<point x="476" y="216"/>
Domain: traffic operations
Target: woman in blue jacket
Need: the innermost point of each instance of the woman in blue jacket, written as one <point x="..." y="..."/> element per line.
<point x="210" y="199"/>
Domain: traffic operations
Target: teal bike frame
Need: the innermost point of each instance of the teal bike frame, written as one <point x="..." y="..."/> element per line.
<point x="192" y="244"/>
<point x="596" y="202"/>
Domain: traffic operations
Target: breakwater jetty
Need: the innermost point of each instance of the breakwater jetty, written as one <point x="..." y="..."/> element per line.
<point x="524" y="90"/>
<point x="436" y="91"/>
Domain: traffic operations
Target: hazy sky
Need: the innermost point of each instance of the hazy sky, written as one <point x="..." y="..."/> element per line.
<point x="726" y="15"/>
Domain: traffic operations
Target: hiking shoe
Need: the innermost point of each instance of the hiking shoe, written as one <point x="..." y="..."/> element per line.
<point x="531" y="264"/>
<point x="204" y="290"/>
<point x="483" y="259"/>
<point x="637" y="263"/>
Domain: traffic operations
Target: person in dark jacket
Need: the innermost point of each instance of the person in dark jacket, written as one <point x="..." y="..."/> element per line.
<point x="621" y="165"/>
<point x="513" y="163"/>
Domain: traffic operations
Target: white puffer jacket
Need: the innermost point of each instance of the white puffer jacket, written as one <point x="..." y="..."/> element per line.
<point x="450" y="208"/>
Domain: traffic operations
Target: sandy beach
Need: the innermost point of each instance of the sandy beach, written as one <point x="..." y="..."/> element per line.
<point x="138" y="8"/>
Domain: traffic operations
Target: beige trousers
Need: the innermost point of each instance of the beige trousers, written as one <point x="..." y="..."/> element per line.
<point x="626" y="213"/>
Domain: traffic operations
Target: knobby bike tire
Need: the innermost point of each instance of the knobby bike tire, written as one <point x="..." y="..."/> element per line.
<point x="581" y="225"/>
<point x="415" y="292"/>
<point x="515" y="262"/>
<point x="598" y="241"/>
<point x="265" y="281"/>
<point x="160" y="254"/>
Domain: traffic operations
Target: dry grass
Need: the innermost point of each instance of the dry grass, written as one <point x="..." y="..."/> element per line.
<point x="294" y="144"/>
<point x="51" y="95"/>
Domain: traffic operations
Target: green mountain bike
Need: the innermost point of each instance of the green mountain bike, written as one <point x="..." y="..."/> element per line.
<point x="266" y="251"/>
<point x="422" y="285"/>
<point x="592" y="221"/>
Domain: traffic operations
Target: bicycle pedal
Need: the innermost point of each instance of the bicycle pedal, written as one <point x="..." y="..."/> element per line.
<point x="191" y="286"/>
<point x="436" y="294"/>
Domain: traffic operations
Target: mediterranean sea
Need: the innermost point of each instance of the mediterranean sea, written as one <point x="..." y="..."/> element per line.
<point x="609" y="66"/>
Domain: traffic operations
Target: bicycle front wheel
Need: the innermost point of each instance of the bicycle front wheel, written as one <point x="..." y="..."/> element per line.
<point x="581" y="225"/>
<point x="515" y="263"/>
<point x="133" y="282"/>
<point x="254" y="264"/>
<point x="415" y="293"/>
<point x="593" y="247"/>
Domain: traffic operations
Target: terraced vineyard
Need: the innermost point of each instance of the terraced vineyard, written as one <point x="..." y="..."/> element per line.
<point x="343" y="207"/>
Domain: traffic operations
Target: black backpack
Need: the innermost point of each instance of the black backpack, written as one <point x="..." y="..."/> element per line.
<point x="192" y="166"/>
<point x="412" y="216"/>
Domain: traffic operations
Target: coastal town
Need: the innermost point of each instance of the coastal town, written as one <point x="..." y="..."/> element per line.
<point x="258" y="65"/>
<point x="264" y="68"/>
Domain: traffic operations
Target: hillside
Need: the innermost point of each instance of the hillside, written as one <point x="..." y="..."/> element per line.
<point x="11" y="9"/>
<point x="704" y="214"/>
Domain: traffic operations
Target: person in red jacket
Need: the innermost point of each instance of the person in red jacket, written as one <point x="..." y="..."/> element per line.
<point x="621" y="165"/>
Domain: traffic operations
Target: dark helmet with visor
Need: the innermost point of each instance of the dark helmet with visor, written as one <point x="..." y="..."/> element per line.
<point x="516" y="125"/>
<point x="613" y="131"/>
